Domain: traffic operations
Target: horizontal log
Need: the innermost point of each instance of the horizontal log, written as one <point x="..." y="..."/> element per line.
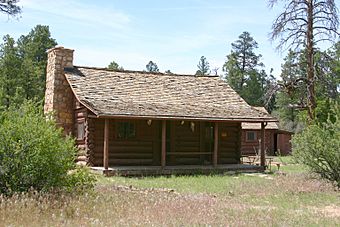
<point x="81" y="144"/>
<point x="187" y="143"/>
<point x="125" y="150"/>
<point x="128" y="143"/>
<point x="184" y="149"/>
<point x="126" y="155"/>
<point x="228" y="161"/>
<point x="229" y="129"/>
<point x="188" y="153"/>
<point x="228" y="150"/>
<point x="187" y="140"/>
<point x="126" y="162"/>
<point x="228" y="155"/>
<point x="226" y="145"/>
<point x="187" y="161"/>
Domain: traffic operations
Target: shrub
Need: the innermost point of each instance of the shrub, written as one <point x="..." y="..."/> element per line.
<point x="80" y="180"/>
<point x="318" y="147"/>
<point x="33" y="152"/>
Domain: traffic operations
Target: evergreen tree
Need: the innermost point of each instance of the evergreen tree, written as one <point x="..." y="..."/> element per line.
<point x="243" y="70"/>
<point x="304" y="23"/>
<point x="290" y="101"/>
<point x="23" y="66"/>
<point x="152" y="67"/>
<point x="114" y="66"/>
<point x="328" y="72"/>
<point x="242" y="61"/>
<point x="10" y="7"/>
<point x="10" y="81"/>
<point x="32" y="50"/>
<point x="203" y="67"/>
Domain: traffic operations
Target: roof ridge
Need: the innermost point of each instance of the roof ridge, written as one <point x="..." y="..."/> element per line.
<point x="141" y="72"/>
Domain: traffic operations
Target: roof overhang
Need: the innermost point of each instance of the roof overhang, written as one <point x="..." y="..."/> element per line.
<point x="191" y="118"/>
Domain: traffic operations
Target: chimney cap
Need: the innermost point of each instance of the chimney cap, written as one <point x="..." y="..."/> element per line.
<point x="59" y="48"/>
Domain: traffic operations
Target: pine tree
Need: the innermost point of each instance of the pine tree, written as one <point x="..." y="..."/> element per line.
<point x="114" y="66"/>
<point x="23" y="66"/>
<point x="304" y="23"/>
<point x="32" y="50"/>
<point x="203" y="67"/>
<point x="10" y="7"/>
<point x="152" y="67"/>
<point x="291" y="100"/>
<point x="10" y="81"/>
<point x="243" y="70"/>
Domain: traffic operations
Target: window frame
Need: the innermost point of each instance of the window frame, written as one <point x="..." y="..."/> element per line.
<point x="127" y="126"/>
<point x="251" y="140"/>
<point x="80" y="123"/>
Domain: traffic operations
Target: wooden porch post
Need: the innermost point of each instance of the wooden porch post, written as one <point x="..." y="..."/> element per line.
<point x="106" y="146"/>
<point x="215" y="144"/>
<point x="263" y="153"/>
<point x="163" y="154"/>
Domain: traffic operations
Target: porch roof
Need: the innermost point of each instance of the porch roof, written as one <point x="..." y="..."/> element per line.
<point x="110" y="93"/>
<point x="257" y="126"/>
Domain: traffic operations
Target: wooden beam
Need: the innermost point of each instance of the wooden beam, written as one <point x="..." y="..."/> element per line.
<point x="106" y="146"/>
<point x="163" y="154"/>
<point x="215" y="144"/>
<point x="262" y="145"/>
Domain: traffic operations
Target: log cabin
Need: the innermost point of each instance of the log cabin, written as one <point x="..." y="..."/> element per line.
<point x="277" y="141"/>
<point x="142" y="120"/>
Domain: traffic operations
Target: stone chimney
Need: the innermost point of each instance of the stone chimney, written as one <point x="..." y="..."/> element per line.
<point x="59" y="97"/>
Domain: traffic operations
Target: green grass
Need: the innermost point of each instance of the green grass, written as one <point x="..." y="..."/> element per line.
<point x="194" y="184"/>
<point x="290" y="197"/>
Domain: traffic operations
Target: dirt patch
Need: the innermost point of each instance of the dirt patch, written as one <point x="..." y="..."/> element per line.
<point x="332" y="211"/>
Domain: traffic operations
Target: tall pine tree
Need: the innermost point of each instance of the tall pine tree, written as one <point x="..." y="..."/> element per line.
<point x="10" y="81"/>
<point x="32" y="50"/>
<point x="23" y="66"/>
<point x="203" y="67"/>
<point x="243" y="70"/>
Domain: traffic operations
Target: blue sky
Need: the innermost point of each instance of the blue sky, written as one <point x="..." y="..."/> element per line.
<point x="174" y="34"/>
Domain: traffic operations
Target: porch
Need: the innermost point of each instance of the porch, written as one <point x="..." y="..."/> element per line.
<point x="164" y="147"/>
<point x="176" y="170"/>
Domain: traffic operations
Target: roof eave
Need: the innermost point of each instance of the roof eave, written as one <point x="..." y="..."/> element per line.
<point x="163" y="117"/>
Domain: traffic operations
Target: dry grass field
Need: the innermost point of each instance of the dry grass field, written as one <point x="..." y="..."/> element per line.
<point x="288" y="198"/>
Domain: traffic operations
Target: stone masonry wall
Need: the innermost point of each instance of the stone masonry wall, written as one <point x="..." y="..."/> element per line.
<point x="59" y="96"/>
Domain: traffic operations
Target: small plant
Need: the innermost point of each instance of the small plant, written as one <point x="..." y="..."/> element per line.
<point x="318" y="147"/>
<point x="80" y="180"/>
<point x="34" y="154"/>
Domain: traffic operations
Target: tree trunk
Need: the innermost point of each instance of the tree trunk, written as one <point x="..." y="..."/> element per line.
<point x="311" y="101"/>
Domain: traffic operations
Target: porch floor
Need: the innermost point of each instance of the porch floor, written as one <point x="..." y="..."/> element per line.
<point x="177" y="170"/>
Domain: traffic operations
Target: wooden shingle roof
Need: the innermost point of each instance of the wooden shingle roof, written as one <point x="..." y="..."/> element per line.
<point x="257" y="126"/>
<point x="159" y="96"/>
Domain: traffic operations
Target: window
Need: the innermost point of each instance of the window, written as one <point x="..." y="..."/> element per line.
<point x="126" y="130"/>
<point x="251" y="136"/>
<point x="80" y="130"/>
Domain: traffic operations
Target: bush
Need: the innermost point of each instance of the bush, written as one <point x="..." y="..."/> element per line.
<point x="318" y="147"/>
<point x="33" y="152"/>
<point x="80" y="180"/>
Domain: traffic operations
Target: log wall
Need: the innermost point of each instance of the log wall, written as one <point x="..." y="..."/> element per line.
<point x="187" y="143"/>
<point x="81" y="117"/>
<point x="229" y="143"/>
<point x="144" y="149"/>
<point x="284" y="144"/>
<point x="247" y="147"/>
